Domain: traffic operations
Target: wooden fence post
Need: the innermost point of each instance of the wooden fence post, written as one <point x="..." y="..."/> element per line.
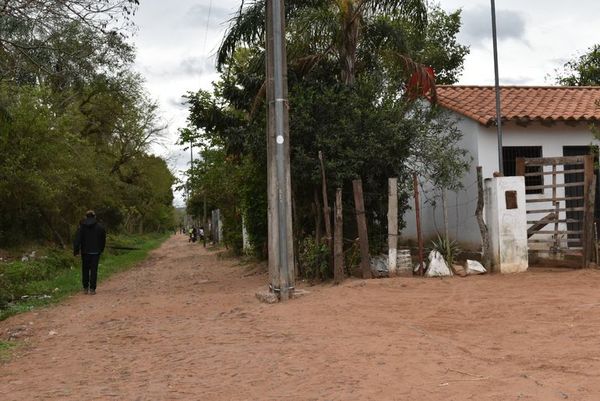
<point x="317" y="218"/>
<point x="326" y="208"/>
<point x="359" y="205"/>
<point x="589" y="196"/>
<point x="392" y="226"/>
<point x="338" y="240"/>
<point x="520" y="167"/>
<point x="590" y="218"/>
<point x="418" y="215"/>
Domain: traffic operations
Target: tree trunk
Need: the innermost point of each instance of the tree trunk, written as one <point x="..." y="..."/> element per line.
<point x="485" y="236"/>
<point x="350" y="42"/>
<point x="48" y="221"/>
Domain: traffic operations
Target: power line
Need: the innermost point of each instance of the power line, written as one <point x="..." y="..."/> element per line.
<point x="207" y="26"/>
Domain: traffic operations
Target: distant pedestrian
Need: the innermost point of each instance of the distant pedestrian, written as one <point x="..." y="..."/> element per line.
<point x="201" y="234"/>
<point x="90" y="240"/>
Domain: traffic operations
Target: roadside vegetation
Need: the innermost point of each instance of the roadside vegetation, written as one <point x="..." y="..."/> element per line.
<point x="359" y="75"/>
<point x="76" y="128"/>
<point x="31" y="280"/>
<point x="76" y="124"/>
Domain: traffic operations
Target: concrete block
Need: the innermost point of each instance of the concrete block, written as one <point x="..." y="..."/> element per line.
<point x="506" y="218"/>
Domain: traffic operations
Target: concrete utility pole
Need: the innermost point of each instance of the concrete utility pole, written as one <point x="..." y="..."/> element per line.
<point x="191" y="163"/>
<point x="393" y="226"/>
<point x="281" y="249"/>
<point x="188" y="187"/>
<point x="497" y="82"/>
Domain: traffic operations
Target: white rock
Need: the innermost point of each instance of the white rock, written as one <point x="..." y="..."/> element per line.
<point x="473" y="267"/>
<point x="379" y="266"/>
<point x="437" y="266"/>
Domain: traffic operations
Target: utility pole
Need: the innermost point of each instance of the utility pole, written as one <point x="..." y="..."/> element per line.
<point x="281" y="249"/>
<point x="497" y="87"/>
<point x="191" y="175"/>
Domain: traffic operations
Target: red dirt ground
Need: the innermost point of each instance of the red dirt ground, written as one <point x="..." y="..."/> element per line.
<point x="185" y="325"/>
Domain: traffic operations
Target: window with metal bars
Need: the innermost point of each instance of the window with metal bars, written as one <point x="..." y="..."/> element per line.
<point x="510" y="154"/>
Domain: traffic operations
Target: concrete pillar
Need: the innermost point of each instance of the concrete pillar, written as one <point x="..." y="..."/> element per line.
<point x="245" y="236"/>
<point x="220" y="225"/>
<point x="506" y="218"/>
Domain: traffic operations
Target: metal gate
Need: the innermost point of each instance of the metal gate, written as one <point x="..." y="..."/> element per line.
<point x="560" y="205"/>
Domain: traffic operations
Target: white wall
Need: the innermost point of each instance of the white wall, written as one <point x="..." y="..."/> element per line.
<point x="482" y="144"/>
<point x="461" y="205"/>
<point x="552" y="139"/>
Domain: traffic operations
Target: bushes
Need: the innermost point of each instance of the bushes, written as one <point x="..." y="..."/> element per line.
<point x="50" y="278"/>
<point x="314" y="260"/>
<point x="19" y="278"/>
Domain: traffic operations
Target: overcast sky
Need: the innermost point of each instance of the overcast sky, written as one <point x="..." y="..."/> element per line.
<point x="177" y="40"/>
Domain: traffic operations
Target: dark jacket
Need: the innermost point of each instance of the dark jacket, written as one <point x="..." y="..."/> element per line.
<point x="90" y="237"/>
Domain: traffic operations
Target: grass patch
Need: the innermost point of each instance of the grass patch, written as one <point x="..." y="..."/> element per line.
<point x="5" y="350"/>
<point x="57" y="274"/>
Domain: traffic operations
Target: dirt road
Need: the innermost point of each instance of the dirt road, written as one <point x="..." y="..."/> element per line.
<point x="185" y="325"/>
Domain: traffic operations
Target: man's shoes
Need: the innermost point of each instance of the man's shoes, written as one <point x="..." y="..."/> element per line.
<point x="92" y="292"/>
<point x="86" y="291"/>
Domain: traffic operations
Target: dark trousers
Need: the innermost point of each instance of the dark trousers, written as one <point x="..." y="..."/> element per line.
<point x="89" y="270"/>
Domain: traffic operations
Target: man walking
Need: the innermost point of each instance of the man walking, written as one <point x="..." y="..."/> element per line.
<point x="90" y="240"/>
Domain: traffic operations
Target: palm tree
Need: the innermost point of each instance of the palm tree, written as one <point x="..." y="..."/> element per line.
<point x="353" y="33"/>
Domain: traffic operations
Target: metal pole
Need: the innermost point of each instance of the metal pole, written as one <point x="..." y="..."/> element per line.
<point x="278" y="101"/>
<point x="497" y="85"/>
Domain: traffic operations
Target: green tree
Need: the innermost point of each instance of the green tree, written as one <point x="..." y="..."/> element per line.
<point x="347" y="98"/>
<point x="76" y="124"/>
<point x="438" y="46"/>
<point x="55" y="39"/>
<point x="581" y="71"/>
<point x="353" y="34"/>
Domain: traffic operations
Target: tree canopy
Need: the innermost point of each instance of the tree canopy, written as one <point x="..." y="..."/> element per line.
<point x="583" y="70"/>
<point x="350" y="63"/>
<point x="76" y="123"/>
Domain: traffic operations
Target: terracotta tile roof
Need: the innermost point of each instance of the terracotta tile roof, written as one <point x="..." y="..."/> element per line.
<point x="523" y="104"/>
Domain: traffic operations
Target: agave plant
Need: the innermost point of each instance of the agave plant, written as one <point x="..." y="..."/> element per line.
<point x="447" y="247"/>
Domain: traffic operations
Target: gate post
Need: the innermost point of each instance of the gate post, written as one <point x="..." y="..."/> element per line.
<point x="589" y="196"/>
<point x="506" y="217"/>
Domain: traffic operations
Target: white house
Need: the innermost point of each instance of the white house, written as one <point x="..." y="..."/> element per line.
<point x="536" y="121"/>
